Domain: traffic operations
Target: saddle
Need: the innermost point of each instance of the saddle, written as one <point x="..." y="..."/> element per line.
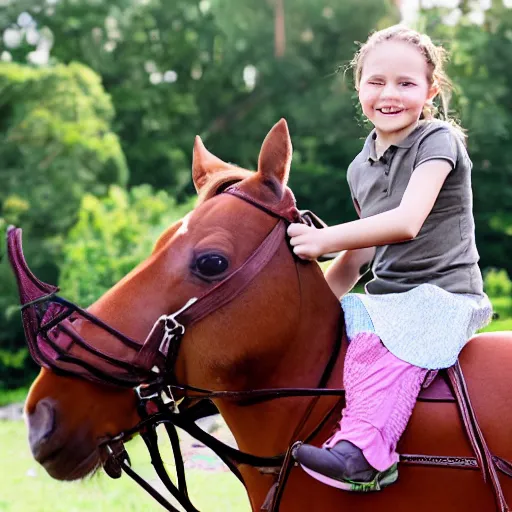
<point x="449" y="386"/>
<point x="440" y="386"/>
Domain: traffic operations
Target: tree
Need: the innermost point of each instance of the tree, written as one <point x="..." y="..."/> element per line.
<point x="55" y="145"/>
<point x="480" y="68"/>
<point x="178" y="69"/>
<point x="112" y="235"/>
<point x="150" y="56"/>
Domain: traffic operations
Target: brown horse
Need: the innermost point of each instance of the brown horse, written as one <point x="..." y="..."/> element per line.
<point x="278" y="332"/>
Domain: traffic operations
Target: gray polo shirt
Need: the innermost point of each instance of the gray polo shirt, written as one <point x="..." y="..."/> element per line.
<point x="444" y="251"/>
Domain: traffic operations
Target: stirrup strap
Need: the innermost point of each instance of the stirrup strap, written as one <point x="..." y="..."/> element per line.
<point x="485" y="458"/>
<point x="275" y="494"/>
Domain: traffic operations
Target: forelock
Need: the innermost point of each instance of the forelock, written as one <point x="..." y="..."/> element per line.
<point x="220" y="181"/>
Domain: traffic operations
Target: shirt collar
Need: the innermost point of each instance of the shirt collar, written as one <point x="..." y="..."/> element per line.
<point x="404" y="143"/>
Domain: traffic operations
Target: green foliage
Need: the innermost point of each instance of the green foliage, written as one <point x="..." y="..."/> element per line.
<point x="502" y="307"/>
<point x="55" y="146"/>
<point x="497" y="283"/>
<point x="12" y="396"/>
<point x="312" y="185"/>
<point x="113" y="234"/>
<point x="481" y="69"/>
<point x="176" y="69"/>
<point x="148" y="54"/>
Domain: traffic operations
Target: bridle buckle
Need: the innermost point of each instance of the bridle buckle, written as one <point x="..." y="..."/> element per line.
<point x="158" y="394"/>
<point x="172" y="328"/>
<point x="117" y="457"/>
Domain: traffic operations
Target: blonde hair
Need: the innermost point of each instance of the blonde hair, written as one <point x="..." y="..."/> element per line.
<point x="435" y="57"/>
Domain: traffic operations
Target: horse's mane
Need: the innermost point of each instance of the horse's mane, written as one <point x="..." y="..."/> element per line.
<point x="221" y="180"/>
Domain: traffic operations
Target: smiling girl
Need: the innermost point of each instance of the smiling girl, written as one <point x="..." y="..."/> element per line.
<point x="411" y="187"/>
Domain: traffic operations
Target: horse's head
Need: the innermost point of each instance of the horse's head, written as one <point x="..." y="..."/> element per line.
<point x="237" y="337"/>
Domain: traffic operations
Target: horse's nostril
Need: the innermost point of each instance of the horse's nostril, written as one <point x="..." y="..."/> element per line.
<point x="41" y="424"/>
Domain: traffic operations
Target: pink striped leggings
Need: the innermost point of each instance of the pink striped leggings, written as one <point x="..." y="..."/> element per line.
<point x="381" y="391"/>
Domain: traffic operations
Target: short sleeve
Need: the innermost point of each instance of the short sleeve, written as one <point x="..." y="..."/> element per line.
<point x="350" y="178"/>
<point x="350" y="181"/>
<point x="440" y="144"/>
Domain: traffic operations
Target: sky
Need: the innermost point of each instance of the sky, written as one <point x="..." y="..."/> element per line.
<point x="410" y="7"/>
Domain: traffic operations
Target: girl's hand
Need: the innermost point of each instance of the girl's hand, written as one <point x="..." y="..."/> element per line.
<point x="307" y="242"/>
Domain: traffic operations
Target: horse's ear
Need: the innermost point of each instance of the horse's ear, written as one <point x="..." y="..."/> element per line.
<point x="204" y="164"/>
<point x="276" y="155"/>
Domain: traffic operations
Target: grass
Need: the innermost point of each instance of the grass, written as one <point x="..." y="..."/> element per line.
<point x="499" y="325"/>
<point x="25" y="486"/>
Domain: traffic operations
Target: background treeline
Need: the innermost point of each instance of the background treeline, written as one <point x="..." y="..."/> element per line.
<point x="100" y="102"/>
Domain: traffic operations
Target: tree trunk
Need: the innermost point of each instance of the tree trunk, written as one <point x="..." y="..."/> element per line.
<point x="279" y="30"/>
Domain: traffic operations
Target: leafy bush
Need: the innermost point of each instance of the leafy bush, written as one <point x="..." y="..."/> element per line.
<point x="498" y="286"/>
<point x="112" y="236"/>
<point x="56" y="144"/>
<point x="497" y="283"/>
<point x="502" y="306"/>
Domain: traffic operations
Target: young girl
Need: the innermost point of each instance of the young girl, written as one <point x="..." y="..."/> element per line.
<point x="411" y="187"/>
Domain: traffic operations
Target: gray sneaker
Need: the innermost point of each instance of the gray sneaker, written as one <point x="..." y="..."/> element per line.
<point x="343" y="466"/>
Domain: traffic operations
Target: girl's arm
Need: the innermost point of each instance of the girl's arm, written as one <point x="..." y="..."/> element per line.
<point x="397" y="225"/>
<point x="345" y="270"/>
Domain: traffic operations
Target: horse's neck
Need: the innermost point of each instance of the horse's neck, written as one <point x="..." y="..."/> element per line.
<point x="268" y="428"/>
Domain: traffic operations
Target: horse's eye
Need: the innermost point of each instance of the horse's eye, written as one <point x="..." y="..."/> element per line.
<point x="210" y="265"/>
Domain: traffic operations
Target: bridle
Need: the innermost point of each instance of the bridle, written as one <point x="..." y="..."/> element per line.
<point x="149" y="368"/>
<point x="54" y="343"/>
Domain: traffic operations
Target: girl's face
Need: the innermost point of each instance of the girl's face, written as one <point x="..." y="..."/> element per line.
<point x="394" y="87"/>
